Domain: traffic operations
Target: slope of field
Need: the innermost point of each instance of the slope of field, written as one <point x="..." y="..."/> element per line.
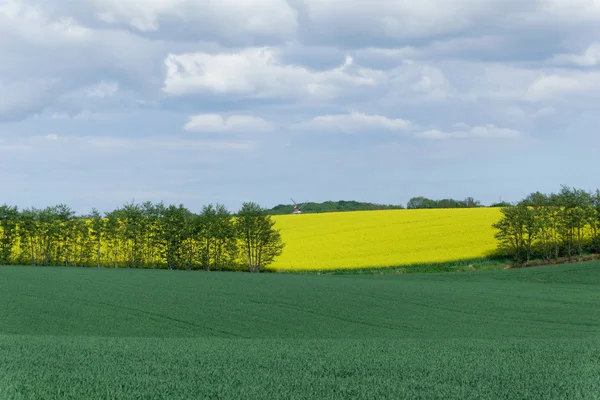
<point x="384" y="238"/>
<point x="68" y="333"/>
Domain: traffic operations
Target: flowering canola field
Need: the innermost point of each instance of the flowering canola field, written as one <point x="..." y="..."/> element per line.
<point x="384" y="238"/>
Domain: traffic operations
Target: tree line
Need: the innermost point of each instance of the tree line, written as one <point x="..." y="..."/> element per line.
<point x="424" y="202"/>
<point x="143" y="235"/>
<point x="550" y="226"/>
<point x="351" y="205"/>
<point x="333" y="206"/>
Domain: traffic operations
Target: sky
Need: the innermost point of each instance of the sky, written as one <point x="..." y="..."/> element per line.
<point x="104" y="102"/>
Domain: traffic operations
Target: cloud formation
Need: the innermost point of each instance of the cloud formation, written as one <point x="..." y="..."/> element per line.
<point x="356" y="122"/>
<point x="464" y="131"/>
<point x="589" y="58"/>
<point x="180" y="94"/>
<point x="215" y="123"/>
<point x="258" y="73"/>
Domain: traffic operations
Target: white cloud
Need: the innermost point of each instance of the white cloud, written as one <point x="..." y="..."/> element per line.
<point x="237" y="21"/>
<point x="549" y="86"/>
<point x="103" y="89"/>
<point x="589" y="58"/>
<point x="258" y="73"/>
<point x="444" y="48"/>
<point x="214" y="123"/>
<point x="356" y="122"/>
<point x="465" y="131"/>
<point x="571" y="10"/>
<point x="30" y="21"/>
<point x="394" y="19"/>
<point x="82" y="146"/>
<point x="111" y="78"/>
<point x="21" y="98"/>
<point x="47" y="57"/>
<point x="402" y="20"/>
<point x="81" y="115"/>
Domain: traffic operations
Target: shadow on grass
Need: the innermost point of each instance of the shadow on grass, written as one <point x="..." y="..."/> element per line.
<point x="490" y="262"/>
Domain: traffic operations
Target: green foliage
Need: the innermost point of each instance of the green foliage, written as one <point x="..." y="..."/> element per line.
<point x="217" y="237"/>
<point x="490" y="263"/>
<point x="563" y="224"/>
<point x="136" y="236"/>
<point x="500" y="204"/>
<point x="260" y="241"/>
<point x="96" y="233"/>
<point x="424" y="202"/>
<point x="332" y="206"/>
<point x="516" y="231"/>
<point x="71" y="333"/>
<point x="8" y="234"/>
<point x="421" y="202"/>
<point x="174" y="231"/>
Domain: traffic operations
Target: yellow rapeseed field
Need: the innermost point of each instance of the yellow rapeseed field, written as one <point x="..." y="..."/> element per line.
<point x="384" y="238"/>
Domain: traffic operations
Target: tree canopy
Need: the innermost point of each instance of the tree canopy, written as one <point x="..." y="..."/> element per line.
<point x="332" y="206"/>
<point x="143" y="235"/>
<point x="549" y="226"/>
<point x="424" y="202"/>
<point x="261" y="243"/>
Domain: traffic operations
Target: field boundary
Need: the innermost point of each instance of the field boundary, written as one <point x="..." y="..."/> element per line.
<point x="559" y="261"/>
<point x="493" y="262"/>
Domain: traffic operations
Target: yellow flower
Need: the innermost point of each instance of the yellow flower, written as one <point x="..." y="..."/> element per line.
<point x="384" y="238"/>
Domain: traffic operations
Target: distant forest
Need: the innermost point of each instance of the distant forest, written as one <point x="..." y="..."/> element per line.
<point x="332" y="206"/>
<point x="414" y="203"/>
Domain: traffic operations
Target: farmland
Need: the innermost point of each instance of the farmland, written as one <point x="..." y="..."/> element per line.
<point x="156" y="236"/>
<point x="71" y="333"/>
<point x="385" y="238"/>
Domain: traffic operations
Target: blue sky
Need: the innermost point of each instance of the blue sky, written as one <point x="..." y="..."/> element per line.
<point x="196" y="101"/>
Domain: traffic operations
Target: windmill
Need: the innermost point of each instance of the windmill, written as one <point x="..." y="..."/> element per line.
<point x="297" y="208"/>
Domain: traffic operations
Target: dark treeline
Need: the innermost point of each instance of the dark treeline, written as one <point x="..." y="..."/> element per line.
<point x="424" y="202"/>
<point x="551" y="226"/>
<point x="140" y="236"/>
<point x="332" y="206"/>
<point x="342" y="205"/>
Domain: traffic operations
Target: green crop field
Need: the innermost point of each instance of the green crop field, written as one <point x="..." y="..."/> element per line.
<point x="68" y="333"/>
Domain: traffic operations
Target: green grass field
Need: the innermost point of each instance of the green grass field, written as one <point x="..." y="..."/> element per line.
<point x="68" y="333"/>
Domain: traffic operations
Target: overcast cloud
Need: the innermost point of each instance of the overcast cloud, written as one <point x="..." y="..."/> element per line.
<point x="195" y="102"/>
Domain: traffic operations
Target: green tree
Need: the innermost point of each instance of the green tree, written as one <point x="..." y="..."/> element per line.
<point x="217" y="237"/>
<point x="206" y="233"/>
<point x="66" y="234"/>
<point x="151" y="241"/>
<point x="594" y="222"/>
<point x="260" y="241"/>
<point x="85" y="242"/>
<point x="421" y="202"/>
<point x="470" y="202"/>
<point x="575" y="206"/>
<point x="29" y="236"/>
<point x="500" y="204"/>
<point x="113" y="240"/>
<point x="133" y="234"/>
<point x="173" y="221"/>
<point x="543" y="219"/>
<point x="97" y="233"/>
<point x="450" y="203"/>
<point x="9" y="234"/>
<point x="225" y="238"/>
<point x="512" y="232"/>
